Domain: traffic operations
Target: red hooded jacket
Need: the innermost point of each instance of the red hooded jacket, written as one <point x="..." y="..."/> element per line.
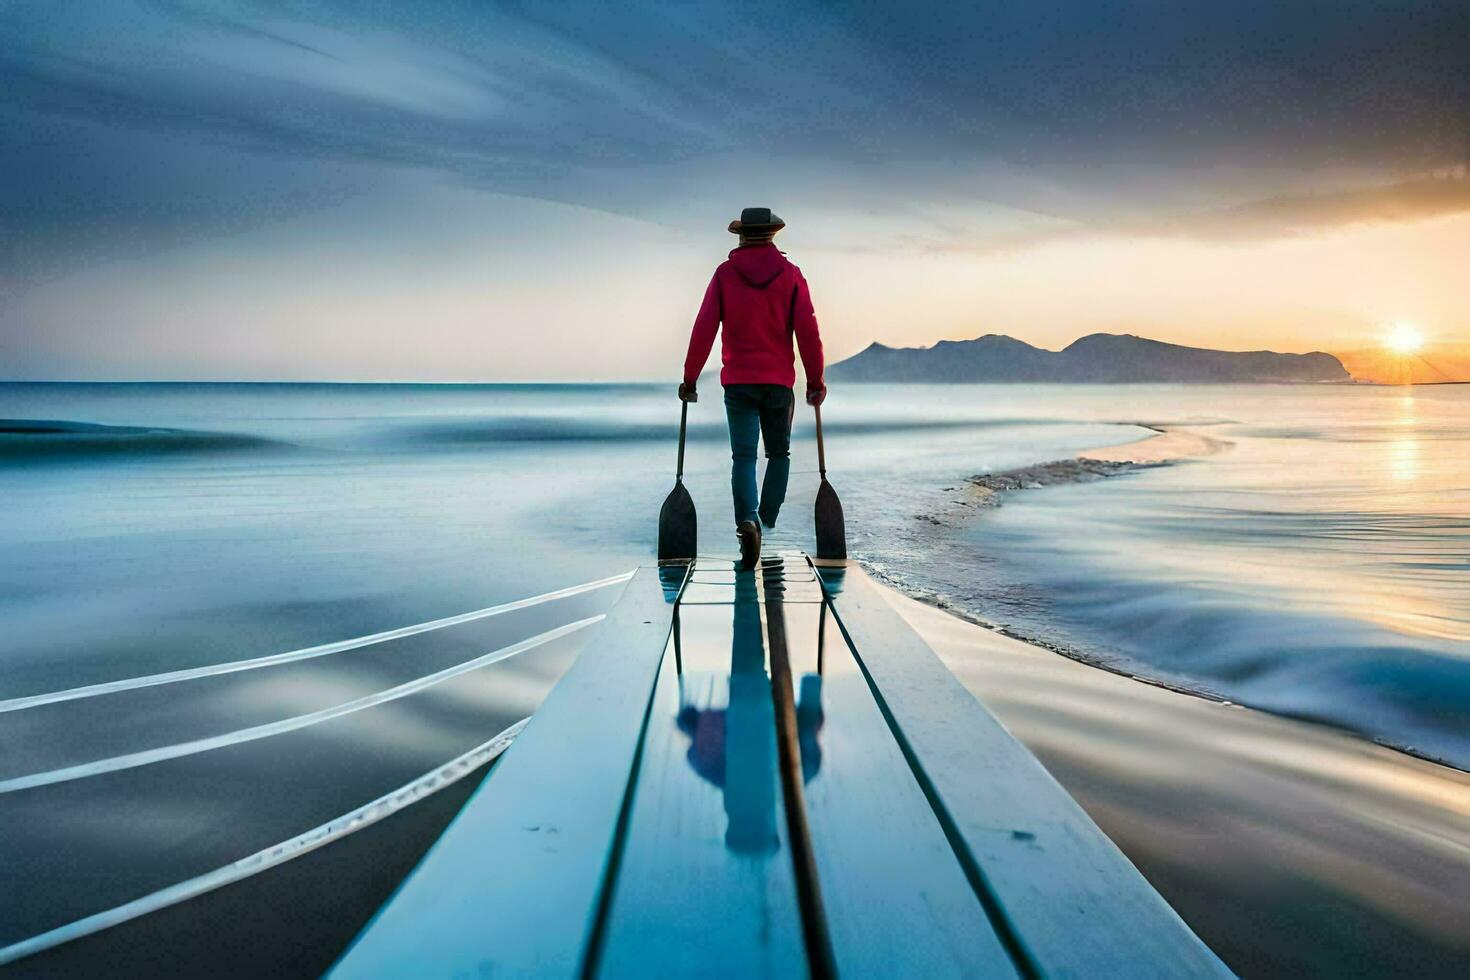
<point x="763" y="301"/>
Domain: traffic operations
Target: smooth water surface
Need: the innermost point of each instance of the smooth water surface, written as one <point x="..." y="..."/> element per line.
<point x="1318" y="566"/>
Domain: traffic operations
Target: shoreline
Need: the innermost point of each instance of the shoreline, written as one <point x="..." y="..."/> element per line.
<point x="943" y="605"/>
<point x="1235" y="814"/>
<point x="1164" y="445"/>
<point x="1167" y="444"/>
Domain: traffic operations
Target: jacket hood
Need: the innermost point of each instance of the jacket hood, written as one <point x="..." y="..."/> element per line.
<point x="758" y="265"/>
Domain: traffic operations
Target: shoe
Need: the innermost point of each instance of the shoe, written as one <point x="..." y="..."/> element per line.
<point x="749" y="533"/>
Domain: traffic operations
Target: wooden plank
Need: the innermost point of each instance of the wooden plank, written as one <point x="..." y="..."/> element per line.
<point x="705" y="884"/>
<point x="898" y="903"/>
<point x="1067" y="900"/>
<point x="822" y="965"/>
<point x="512" y="887"/>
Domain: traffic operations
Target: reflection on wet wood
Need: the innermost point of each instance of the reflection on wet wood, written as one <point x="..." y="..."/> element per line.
<point x="705" y="884"/>
<point x="1069" y="900"/>
<point x="897" y="901"/>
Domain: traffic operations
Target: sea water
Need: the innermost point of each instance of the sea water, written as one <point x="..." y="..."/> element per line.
<point x="1317" y="565"/>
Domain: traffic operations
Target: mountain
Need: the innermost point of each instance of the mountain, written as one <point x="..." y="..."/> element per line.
<point x="1097" y="358"/>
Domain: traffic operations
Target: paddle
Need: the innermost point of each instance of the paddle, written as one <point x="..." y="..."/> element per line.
<point x="677" y="526"/>
<point x="831" y="530"/>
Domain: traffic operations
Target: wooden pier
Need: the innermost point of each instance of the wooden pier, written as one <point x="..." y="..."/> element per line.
<point x="770" y="773"/>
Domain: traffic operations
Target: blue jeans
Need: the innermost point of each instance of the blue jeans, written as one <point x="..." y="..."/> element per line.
<point x="761" y="412"/>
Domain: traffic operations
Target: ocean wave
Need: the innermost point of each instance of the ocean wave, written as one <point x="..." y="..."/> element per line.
<point x="471" y="431"/>
<point x="1404" y="685"/>
<point x="1400" y="692"/>
<point x="42" y="439"/>
<point x="1060" y="471"/>
<point x="1349" y="676"/>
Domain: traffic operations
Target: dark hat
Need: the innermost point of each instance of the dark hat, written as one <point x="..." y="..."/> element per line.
<point x="758" y="221"/>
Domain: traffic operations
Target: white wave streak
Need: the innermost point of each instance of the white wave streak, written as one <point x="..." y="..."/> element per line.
<point x="192" y="673"/>
<point x="166" y="752"/>
<point x="263" y="860"/>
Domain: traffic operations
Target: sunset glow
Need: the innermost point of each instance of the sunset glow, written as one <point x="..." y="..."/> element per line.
<point x="1403" y="339"/>
<point x="313" y="190"/>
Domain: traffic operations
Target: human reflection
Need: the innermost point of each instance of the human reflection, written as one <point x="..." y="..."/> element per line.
<point x="734" y="747"/>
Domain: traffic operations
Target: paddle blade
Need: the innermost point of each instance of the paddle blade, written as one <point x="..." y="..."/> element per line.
<point x="831" y="529"/>
<point x="677" y="526"/>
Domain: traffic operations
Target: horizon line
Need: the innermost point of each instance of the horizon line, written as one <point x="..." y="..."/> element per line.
<point x="1354" y="382"/>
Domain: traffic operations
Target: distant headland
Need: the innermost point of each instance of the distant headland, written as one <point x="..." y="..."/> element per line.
<point x="1098" y="358"/>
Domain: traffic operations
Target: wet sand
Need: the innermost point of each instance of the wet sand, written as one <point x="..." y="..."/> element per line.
<point x="1291" y="848"/>
<point x="1166" y="443"/>
<point x="1163" y="446"/>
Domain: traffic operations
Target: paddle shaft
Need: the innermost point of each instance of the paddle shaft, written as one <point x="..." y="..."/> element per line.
<point x="821" y="452"/>
<point x="683" y="423"/>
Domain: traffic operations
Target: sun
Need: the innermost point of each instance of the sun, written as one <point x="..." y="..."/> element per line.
<point x="1403" y="339"/>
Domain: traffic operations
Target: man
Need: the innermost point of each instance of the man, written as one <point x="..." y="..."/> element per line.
<point x="763" y="302"/>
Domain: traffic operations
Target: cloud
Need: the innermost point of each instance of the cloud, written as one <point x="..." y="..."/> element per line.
<point x="1265" y="220"/>
<point x="1128" y="109"/>
<point x="159" y="129"/>
<point x="1410" y="200"/>
<point x="466" y="98"/>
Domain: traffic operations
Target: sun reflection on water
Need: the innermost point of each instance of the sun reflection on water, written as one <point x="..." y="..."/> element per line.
<point x="1404" y="451"/>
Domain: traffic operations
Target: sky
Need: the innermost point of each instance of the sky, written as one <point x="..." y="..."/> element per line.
<point x="465" y="191"/>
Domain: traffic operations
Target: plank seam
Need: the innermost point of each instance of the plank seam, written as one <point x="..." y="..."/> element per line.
<point x="602" y="907"/>
<point x="1005" y="929"/>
